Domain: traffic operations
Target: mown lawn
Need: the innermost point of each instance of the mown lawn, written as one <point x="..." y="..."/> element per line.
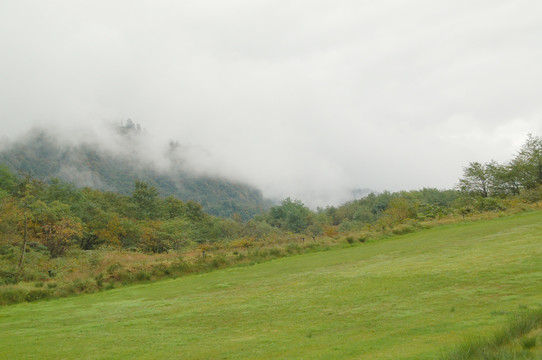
<point x="405" y="297"/>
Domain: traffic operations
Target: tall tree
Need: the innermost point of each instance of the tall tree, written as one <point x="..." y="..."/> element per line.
<point x="145" y="198"/>
<point x="476" y="179"/>
<point x="527" y="164"/>
<point x="291" y="215"/>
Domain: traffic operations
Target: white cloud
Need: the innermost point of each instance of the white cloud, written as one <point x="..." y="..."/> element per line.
<point x="301" y="98"/>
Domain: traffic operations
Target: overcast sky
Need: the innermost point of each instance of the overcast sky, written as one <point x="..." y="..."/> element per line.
<point x="305" y="98"/>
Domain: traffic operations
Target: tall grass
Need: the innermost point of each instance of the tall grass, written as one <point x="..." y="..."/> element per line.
<point x="91" y="271"/>
<point x="520" y="338"/>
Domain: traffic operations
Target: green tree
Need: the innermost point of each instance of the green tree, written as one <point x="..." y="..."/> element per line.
<point x="175" y="232"/>
<point x="476" y="179"/>
<point x="151" y="241"/>
<point x="400" y="209"/>
<point x="173" y="207"/>
<point x="291" y="215"/>
<point x="60" y="235"/>
<point x="8" y="180"/>
<point x="527" y="165"/>
<point x="54" y="226"/>
<point x="145" y="198"/>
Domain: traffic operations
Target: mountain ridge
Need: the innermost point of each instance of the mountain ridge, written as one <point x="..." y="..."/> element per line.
<point x="91" y="164"/>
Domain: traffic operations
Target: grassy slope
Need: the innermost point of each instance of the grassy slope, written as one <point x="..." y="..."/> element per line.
<point x="404" y="297"/>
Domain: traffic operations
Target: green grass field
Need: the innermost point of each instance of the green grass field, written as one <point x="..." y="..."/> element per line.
<point x="406" y="297"/>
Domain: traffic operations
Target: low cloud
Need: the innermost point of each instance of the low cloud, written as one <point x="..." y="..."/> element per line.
<point x="304" y="99"/>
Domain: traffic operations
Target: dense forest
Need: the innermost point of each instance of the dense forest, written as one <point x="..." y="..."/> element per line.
<point x="49" y="228"/>
<point x="91" y="164"/>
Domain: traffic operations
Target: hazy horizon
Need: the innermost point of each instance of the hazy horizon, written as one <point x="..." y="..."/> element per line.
<point x="302" y="99"/>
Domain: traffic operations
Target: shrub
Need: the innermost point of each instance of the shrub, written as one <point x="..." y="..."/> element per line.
<point x="110" y="286"/>
<point x="275" y="252"/>
<point x="160" y="270"/>
<point x="293" y="249"/>
<point x="183" y="267"/>
<point x="402" y="229"/>
<point x="78" y="286"/>
<point x="113" y="268"/>
<point x="8" y="277"/>
<point x="219" y="262"/>
<point x="349" y="239"/>
<point x="99" y="280"/>
<point x="142" y="275"/>
<point x="125" y="277"/>
<point x="7" y="250"/>
<point x="11" y="295"/>
<point x="37" y="294"/>
<point x="94" y="259"/>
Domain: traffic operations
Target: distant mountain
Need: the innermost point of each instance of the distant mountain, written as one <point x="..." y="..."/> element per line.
<point x="96" y="166"/>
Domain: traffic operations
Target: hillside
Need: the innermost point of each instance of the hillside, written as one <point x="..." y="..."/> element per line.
<point x="90" y="164"/>
<point x="404" y="297"/>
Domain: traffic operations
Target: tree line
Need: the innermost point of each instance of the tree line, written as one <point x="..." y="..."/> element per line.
<point x="521" y="176"/>
<point x="55" y="216"/>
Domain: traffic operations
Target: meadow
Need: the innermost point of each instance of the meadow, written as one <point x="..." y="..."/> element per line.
<point x="403" y="297"/>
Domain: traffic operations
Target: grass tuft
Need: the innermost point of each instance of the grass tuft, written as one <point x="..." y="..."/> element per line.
<point x="504" y="344"/>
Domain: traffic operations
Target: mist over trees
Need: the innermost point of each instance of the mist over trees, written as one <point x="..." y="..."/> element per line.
<point x="117" y="167"/>
<point x="43" y="220"/>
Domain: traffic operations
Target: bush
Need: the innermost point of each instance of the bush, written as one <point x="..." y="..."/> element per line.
<point x="82" y="285"/>
<point x="8" y="277"/>
<point x="113" y="268"/>
<point x="142" y="275"/>
<point x="11" y="295"/>
<point x="275" y="252"/>
<point x="183" y="267"/>
<point x="489" y="204"/>
<point x="293" y="249"/>
<point x="349" y="239"/>
<point x="95" y="259"/>
<point x="7" y="250"/>
<point x="124" y="277"/>
<point x="110" y="286"/>
<point x="37" y="294"/>
<point x="219" y="262"/>
<point x="99" y="280"/>
<point x="161" y="270"/>
<point x="402" y="229"/>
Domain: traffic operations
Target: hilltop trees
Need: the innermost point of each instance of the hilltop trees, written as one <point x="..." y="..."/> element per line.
<point x="522" y="173"/>
<point x="527" y="165"/>
<point x="58" y="215"/>
<point x="476" y="179"/>
<point x="99" y="167"/>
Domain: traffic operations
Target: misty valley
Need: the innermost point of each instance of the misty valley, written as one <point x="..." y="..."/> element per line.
<point x="79" y="219"/>
<point x="261" y="180"/>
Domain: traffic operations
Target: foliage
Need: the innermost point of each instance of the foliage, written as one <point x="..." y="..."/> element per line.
<point x="291" y="215"/>
<point x="145" y="199"/>
<point x="523" y="172"/>
<point x="91" y="165"/>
